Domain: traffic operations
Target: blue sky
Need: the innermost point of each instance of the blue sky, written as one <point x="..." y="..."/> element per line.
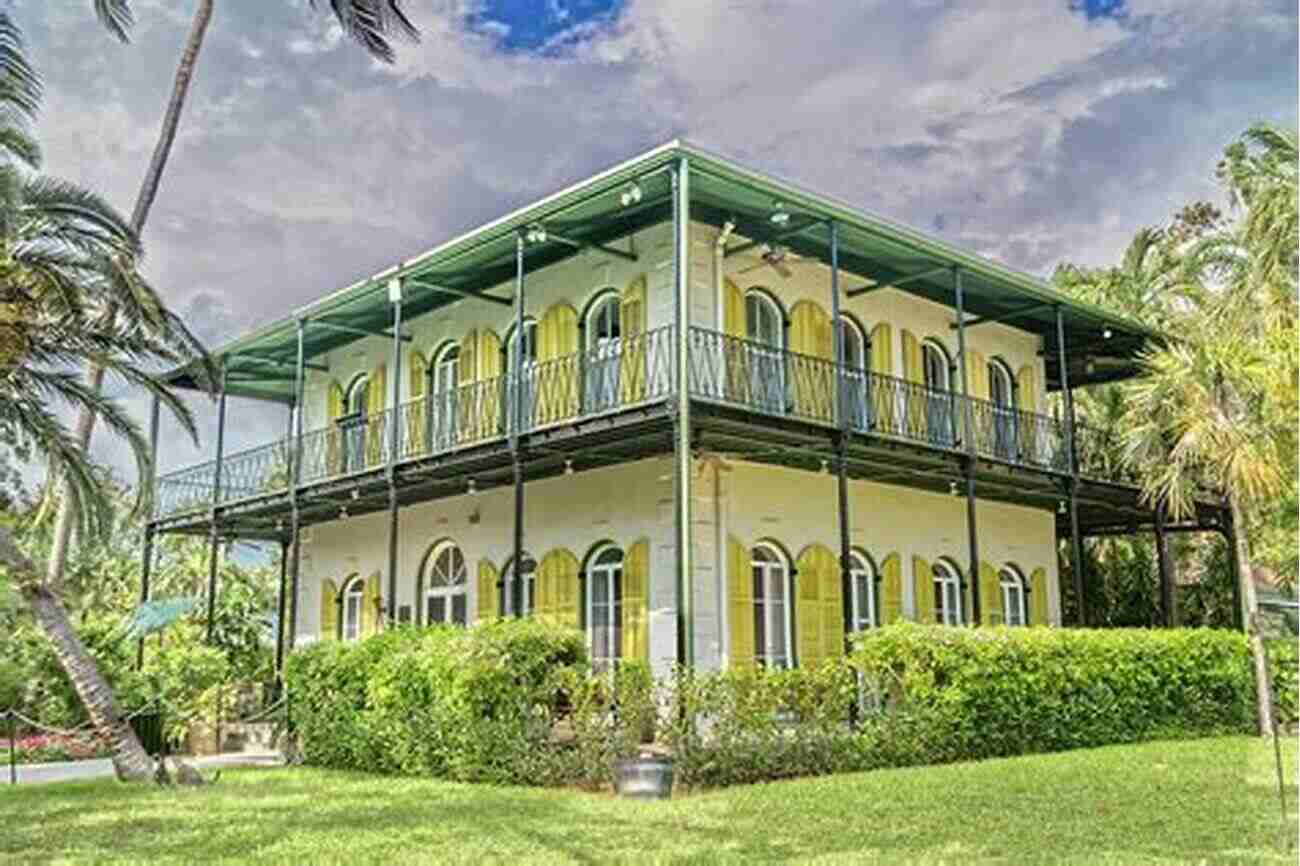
<point x="1032" y="131"/>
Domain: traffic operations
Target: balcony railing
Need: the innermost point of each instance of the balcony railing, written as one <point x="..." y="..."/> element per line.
<point x="632" y="371"/>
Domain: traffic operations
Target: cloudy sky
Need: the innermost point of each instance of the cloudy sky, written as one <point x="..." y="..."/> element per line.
<point x="1032" y="131"/>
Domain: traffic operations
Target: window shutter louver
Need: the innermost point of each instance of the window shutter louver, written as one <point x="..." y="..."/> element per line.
<point x="329" y="610"/>
<point x="555" y="588"/>
<point x="733" y="322"/>
<point x="810" y="335"/>
<point x="740" y="604"/>
<point x="413" y="414"/>
<point x="1038" y="597"/>
<point x="923" y="590"/>
<point x="376" y="428"/>
<point x="632" y="328"/>
<point x="635" y="608"/>
<point x="489" y="388"/>
<point x="991" y="595"/>
<point x="557" y="348"/>
<point x="891" y="589"/>
<point x="1027" y="389"/>
<point x="882" y="349"/>
<point x="371" y="607"/>
<point x="334" y="408"/>
<point x="488" y="591"/>
<point x="820" y="622"/>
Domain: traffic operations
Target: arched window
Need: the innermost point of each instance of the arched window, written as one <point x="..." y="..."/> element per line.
<point x="354" y="592"/>
<point x="863" y="572"/>
<point x="1013" y="596"/>
<point x="530" y="345"/>
<point x="947" y="593"/>
<point x="764" y="326"/>
<point x="445" y="369"/>
<point x="603" y="332"/>
<point x="444" y="375"/>
<point x="1003" y="397"/>
<point x="604" y="605"/>
<point x="519" y="601"/>
<point x="855" y="373"/>
<point x="855" y="346"/>
<point x="934" y="362"/>
<point x="445" y="580"/>
<point x="763" y="319"/>
<point x="771" y="606"/>
<point x="526" y="388"/>
<point x="1001" y="394"/>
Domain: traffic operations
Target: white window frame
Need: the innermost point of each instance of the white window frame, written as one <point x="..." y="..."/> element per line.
<point x="457" y="585"/>
<point x="947" y="577"/>
<point x="350" y="614"/>
<point x="603" y="351"/>
<point x="605" y="572"/>
<point x="767" y="360"/>
<point x="931" y="347"/>
<point x="1011" y="584"/>
<point x="862" y="570"/>
<point x="362" y="380"/>
<point x="445" y="369"/>
<point x="777" y="562"/>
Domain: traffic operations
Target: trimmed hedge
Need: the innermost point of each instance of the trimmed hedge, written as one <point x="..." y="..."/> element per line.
<point x="1284" y="677"/>
<point x="506" y="701"/>
<point x="514" y="701"/>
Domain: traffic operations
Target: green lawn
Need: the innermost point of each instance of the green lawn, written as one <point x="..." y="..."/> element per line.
<point x="1203" y="801"/>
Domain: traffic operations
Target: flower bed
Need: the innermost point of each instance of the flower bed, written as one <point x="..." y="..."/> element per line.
<point x="52" y="748"/>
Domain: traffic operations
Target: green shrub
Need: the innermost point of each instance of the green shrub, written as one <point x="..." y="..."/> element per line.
<point x="506" y="701"/>
<point x="950" y="694"/>
<point x="1284" y="676"/>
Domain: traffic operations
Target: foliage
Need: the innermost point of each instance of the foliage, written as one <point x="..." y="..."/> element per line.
<point x="1201" y="801"/>
<point x="1284" y="676"/>
<point x="505" y="701"/>
<point x="51" y="748"/>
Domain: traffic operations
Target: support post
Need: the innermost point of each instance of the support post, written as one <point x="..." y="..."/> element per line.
<point x="213" y="539"/>
<point x="1165" y="567"/>
<point x="1230" y="538"/>
<point x="841" y="441"/>
<point x="280" y="604"/>
<point x="394" y="441"/>
<point x="516" y="421"/>
<point x="295" y="481"/>
<point x="1076" y="542"/>
<point x="682" y="433"/>
<point x="968" y="439"/>
<point x="146" y="555"/>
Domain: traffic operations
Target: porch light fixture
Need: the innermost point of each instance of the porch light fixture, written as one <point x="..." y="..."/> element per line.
<point x="826" y="468"/>
<point x="952" y="488"/>
<point x="780" y="216"/>
<point x="1060" y="507"/>
<point x="536" y="234"/>
<point x="568" y="467"/>
<point x="343" y="512"/>
<point x="631" y="195"/>
<point x="1107" y="334"/>
<point x="472" y="487"/>
<point x="356" y="494"/>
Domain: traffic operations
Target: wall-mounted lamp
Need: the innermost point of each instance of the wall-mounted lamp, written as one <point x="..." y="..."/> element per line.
<point x="343" y="512"/>
<point x="472" y="487"/>
<point x="1060" y="507"/>
<point x="826" y="468"/>
<point x="952" y="488"/>
<point x="631" y="195"/>
<point x="780" y="216"/>
<point x="568" y="467"/>
<point x="536" y="234"/>
<point x="356" y="494"/>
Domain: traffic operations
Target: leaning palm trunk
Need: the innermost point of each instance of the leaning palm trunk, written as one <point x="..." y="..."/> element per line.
<point x="139" y="214"/>
<point x="1250" y="616"/>
<point x="130" y="761"/>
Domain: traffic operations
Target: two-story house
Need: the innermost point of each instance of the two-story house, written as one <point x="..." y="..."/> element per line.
<point x="696" y="411"/>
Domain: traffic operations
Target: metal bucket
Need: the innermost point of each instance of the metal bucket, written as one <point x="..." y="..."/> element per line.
<point x="646" y="778"/>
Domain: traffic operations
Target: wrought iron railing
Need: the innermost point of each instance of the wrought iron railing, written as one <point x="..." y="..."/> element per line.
<point x="631" y="371"/>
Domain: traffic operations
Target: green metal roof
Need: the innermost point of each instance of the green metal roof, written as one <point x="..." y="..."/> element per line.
<point x="878" y="252"/>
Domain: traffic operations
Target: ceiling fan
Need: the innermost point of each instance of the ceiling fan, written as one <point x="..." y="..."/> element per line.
<point x="775" y="257"/>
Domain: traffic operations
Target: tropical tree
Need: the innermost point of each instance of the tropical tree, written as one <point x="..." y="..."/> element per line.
<point x="65" y="257"/>
<point x="372" y="23"/>
<point x="1218" y="408"/>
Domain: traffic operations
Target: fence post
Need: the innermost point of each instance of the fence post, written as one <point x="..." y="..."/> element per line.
<point x="13" y="747"/>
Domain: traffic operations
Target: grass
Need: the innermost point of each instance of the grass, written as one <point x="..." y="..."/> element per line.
<point x="1204" y="801"/>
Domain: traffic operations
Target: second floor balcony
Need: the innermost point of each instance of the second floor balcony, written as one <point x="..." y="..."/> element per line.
<point x="757" y="379"/>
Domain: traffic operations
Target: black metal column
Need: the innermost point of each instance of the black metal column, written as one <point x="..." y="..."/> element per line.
<point x="968" y="439"/>
<point x="684" y="588"/>
<point x="516" y="422"/>
<point x="146" y="554"/>
<point x="1076" y="542"/>
<point x="216" y="502"/>
<point x="841" y="441"/>
<point x="394" y="431"/>
<point x="280" y="602"/>
<point x="1165" y="567"/>
<point x="295" y="480"/>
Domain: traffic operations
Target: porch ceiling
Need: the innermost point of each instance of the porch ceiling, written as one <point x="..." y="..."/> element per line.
<point x="874" y="252"/>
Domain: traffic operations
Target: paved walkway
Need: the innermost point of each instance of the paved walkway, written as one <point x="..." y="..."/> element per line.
<point x="64" y="771"/>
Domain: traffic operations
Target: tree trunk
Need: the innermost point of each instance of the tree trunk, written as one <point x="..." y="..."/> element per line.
<point x="1250" y="616"/>
<point x="79" y="666"/>
<point x="130" y="761"/>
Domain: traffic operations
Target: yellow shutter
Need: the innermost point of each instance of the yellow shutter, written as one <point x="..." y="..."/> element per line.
<point x="1027" y="389"/>
<point x="489" y="366"/>
<point x="557" y="374"/>
<point x="914" y="371"/>
<point x="468" y="392"/>
<point x="891" y="589"/>
<point x="740" y="604"/>
<point x="819" y="615"/>
<point x="632" y="327"/>
<point x="329" y="611"/>
<point x="555" y="588"/>
<point x="1038" y="597"/>
<point x="376" y="428"/>
<point x="882" y="349"/>
<point x="736" y="377"/>
<point x="923" y="589"/>
<point x="811" y="335"/>
<point x="991" y="595"/>
<point x="489" y="593"/>
<point x="371" y="606"/>
<point x="635" y="607"/>
<point x="977" y="374"/>
<point x="334" y="408"/>
<point x="413" y="415"/>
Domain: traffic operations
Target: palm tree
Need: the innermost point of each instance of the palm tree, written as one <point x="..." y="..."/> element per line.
<point x="1219" y="406"/>
<point x="372" y="23"/>
<point x="65" y="258"/>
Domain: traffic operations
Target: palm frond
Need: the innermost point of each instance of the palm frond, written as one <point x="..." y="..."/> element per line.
<point x="116" y="16"/>
<point x="373" y="24"/>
